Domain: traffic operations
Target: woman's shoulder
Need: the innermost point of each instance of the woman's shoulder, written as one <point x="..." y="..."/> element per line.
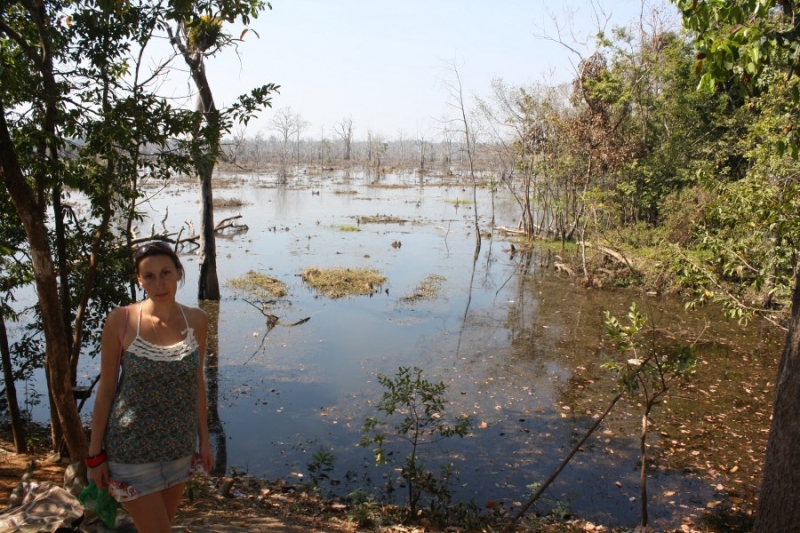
<point x="196" y="317"/>
<point x="118" y="315"/>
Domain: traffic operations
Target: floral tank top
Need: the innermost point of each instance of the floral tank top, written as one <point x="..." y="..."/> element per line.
<point x="154" y="415"/>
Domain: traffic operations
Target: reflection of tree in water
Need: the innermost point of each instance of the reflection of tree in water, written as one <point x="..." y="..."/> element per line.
<point x="523" y="315"/>
<point x="215" y="429"/>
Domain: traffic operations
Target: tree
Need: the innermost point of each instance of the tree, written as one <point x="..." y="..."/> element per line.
<point x="32" y="45"/>
<point x="376" y="149"/>
<point x="76" y="114"/>
<point x="456" y="93"/>
<point x="344" y="129"/>
<point x="737" y="43"/>
<point x="287" y="125"/>
<point x="199" y="34"/>
<point x="519" y="119"/>
<point x="646" y="367"/>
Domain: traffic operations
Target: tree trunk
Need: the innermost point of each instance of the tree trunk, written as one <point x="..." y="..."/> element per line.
<point x="17" y="428"/>
<point x="63" y="268"/>
<point x="777" y="506"/>
<point x="57" y="364"/>
<point x="208" y="283"/>
<point x="91" y="274"/>
<point x="643" y="466"/>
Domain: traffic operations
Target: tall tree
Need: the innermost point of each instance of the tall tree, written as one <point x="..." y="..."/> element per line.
<point x="456" y="92"/>
<point x="71" y="118"/>
<point x="33" y="46"/>
<point x="199" y="34"/>
<point x="737" y="43"/>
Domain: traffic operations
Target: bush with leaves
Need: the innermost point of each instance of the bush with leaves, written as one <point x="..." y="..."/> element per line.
<point x="412" y="408"/>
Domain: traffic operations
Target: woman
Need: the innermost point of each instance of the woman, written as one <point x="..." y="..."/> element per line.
<point x="150" y="409"/>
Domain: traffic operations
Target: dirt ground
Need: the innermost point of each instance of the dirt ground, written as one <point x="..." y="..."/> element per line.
<point x="247" y="506"/>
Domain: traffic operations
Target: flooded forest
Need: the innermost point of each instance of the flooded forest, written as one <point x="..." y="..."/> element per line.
<point x="564" y="299"/>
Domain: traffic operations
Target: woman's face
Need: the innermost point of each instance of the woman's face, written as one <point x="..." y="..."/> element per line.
<point x="159" y="277"/>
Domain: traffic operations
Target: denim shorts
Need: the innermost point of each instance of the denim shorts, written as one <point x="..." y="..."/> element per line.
<point x="130" y="481"/>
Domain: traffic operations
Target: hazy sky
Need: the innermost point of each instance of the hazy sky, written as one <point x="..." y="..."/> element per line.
<point x="382" y="63"/>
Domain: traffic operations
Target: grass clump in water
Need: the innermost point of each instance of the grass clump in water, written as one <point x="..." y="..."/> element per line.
<point x="426" y="290"/>
<point x="229" y="203"/>
<point x="346" y="227"/>
<point x="339" y="282"/>
<point x="380" y="219"/>
<point x="258" y="284"/>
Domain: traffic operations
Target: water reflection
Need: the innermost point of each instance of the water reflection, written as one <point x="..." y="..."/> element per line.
<point x="216" y="430"/>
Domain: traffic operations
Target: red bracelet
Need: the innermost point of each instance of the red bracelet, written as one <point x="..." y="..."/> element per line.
<point x="96" y="460"/>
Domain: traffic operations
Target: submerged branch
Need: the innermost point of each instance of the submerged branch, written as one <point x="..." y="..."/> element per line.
<point x="564" y="462"/>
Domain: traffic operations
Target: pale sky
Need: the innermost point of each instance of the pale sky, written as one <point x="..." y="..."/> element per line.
<point x="382" y="62"/>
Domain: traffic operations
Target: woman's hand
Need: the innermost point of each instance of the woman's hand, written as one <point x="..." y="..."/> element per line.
<point x="207" y="456"/>
<point x="99" y="475"/>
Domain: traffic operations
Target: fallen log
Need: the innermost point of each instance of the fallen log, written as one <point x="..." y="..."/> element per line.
<point x="616" y="255"/>
<point x="230" y="223"/>
<point x="506" y="229"/>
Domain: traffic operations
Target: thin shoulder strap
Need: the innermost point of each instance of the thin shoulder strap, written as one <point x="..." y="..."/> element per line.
<point x="139" y="323"/>
<point x="184" y="316"/>
<point x="121" y="341"/>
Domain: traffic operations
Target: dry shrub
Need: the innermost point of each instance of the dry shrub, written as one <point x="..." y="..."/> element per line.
<point x="339" y="282"/>
<point x="228" y="203"/>
<point x="258" y="284"/>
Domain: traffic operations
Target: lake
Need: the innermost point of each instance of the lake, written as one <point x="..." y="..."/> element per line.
<point x="517" y="344"/>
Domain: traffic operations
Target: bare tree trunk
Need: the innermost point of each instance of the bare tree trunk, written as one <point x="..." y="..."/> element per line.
<point x="458" y="95"/>
<point x="63" y="270"/>
<point x="527" y="212"/>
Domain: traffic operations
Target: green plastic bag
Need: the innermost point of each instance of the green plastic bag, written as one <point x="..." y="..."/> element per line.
<point x="101" y="502"/>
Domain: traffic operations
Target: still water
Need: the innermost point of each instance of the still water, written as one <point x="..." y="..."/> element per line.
<point x="516" y="343"/>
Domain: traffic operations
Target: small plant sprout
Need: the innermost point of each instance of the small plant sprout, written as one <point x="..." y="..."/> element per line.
<point x="321" y="466"/>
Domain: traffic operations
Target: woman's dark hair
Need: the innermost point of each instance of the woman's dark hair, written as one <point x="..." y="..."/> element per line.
<point x="157" y="248"/>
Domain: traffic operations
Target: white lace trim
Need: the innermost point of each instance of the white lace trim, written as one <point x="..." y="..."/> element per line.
<point x="155" y="352"/>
